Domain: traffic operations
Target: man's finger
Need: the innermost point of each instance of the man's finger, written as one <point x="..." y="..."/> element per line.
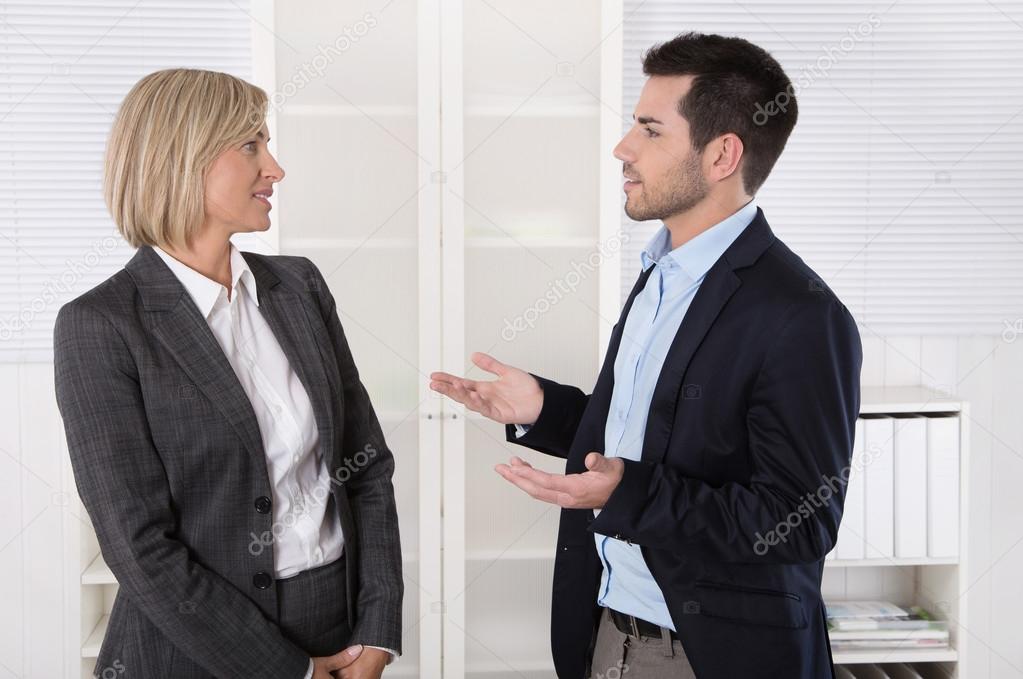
<point x="554" y="482"/>
<point x="536" y="491"/>
<point x="451" y="381"/>
<point x="458" y="391"/>
<point x="489" y="363"/>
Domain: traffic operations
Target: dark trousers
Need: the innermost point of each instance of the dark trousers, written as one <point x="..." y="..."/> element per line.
<point x="311" y="609"/>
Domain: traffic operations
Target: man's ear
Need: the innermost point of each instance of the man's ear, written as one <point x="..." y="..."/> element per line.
<point x="724" y="157"/>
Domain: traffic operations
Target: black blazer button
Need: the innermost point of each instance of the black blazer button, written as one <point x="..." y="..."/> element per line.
<point x="262" y="580"/>
<point x="263" y="504"/>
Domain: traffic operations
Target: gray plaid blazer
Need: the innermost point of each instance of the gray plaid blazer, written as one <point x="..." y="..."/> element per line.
<point x="169" y="463"/>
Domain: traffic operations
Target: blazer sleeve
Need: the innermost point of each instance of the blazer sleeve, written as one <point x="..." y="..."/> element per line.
<point x="123" y="485"/>
<point x="370" y="492"/>
<point x="800" y="422"/>
<point x="555" y="428"/>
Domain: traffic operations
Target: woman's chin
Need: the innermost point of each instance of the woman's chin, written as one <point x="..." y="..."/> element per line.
<point x="256" y="226"/>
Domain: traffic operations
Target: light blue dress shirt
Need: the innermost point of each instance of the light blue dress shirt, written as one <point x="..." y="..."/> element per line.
<point x="656" y="314"/>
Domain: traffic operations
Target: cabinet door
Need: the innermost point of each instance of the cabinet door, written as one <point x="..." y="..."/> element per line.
<point x="348" y="124"/>
<point x="521" y="263"/>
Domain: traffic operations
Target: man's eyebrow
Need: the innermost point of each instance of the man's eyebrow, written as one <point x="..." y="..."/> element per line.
<point x="647" y="120"/>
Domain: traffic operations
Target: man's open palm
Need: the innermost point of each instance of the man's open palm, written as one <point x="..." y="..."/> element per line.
<point x="515" y="397"/>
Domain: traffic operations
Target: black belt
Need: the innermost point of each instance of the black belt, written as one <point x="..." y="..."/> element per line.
<point x="628" y="624"/>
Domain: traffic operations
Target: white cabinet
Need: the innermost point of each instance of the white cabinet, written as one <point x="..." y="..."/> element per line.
<point x="444" y="175"/>
<point x="939" y="584"/>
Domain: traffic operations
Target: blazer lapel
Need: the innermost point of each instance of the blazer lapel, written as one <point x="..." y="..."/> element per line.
<point x="717" y="288"/>
<point x="179" y="326"/>
<point x="288" y="313"/>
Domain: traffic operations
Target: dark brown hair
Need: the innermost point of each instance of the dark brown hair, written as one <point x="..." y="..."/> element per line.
<point x="738" y="88"/>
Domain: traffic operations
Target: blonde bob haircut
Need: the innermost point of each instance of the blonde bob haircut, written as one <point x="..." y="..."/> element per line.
<point x="168" y="131"/>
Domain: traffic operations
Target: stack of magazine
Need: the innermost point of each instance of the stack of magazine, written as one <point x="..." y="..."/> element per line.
<point x="863" y="625"/>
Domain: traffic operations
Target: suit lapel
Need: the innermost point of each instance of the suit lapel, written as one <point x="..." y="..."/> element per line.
<point x="717" y="288"/>
<point x="177" y="323"/>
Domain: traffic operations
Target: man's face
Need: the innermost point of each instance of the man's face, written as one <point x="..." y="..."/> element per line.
<point x="665" y="173"/>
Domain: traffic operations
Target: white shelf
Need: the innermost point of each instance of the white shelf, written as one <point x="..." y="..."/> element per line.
<point x="538" y="242"/>
<point x="98" y="573"/>
<point x="348" y="110"/>
<point x="289" y="243"/>
<point x="479" y="107"/>
<point x="512" y="241"/>
<point x="914" y="561"/>
<point x="90" y="649"/>
<point x="539" y="554"/>
<point x="524" y="106"/>
<point x="895" y="655"/>
<point x="500" y="667"/>
<point x="914" y="399"/>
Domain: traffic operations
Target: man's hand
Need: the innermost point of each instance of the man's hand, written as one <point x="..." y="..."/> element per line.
<point x="515" y="397"/>
<point x="324" y="667"/>
<point x="589" y="490"/>
<point x="369" y="665"/>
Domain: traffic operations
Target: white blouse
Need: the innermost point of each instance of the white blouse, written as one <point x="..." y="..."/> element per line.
<point x="304" y="534"/>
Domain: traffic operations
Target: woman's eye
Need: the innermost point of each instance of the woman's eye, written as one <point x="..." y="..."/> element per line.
<point x="249" y="145"/>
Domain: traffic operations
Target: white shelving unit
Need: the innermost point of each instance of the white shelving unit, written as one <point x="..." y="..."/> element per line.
<point x="521" y="134"/>
<point x="939" y="585"/>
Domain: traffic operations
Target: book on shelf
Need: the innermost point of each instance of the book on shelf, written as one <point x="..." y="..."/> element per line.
<point x="854" y="625"/>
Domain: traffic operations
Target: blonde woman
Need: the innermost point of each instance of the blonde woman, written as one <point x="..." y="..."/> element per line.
<point x="221" y="440"/>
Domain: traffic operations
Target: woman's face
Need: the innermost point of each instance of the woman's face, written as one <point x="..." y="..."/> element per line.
<point x="239" y="184"/>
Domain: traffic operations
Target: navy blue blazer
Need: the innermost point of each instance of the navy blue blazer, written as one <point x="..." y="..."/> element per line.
<point x="739" y="492"/>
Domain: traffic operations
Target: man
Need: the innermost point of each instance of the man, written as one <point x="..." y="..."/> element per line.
<point x="704" y="477"/>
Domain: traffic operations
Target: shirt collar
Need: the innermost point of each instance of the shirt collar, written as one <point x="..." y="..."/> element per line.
<point x="696" y="256"/>
<point x="205" y="291"/>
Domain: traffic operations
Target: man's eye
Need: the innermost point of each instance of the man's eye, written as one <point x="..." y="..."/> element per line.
<point x="649" y="132"/>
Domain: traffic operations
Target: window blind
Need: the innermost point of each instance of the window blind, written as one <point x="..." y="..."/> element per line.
<point x="64" y="69"/>
<point x="901" y="183"/>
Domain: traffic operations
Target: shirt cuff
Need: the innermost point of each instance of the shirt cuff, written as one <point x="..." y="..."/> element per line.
<point x="309" y="672"/>
<point x="521" y="429"/>
<point x="394" y="654"/>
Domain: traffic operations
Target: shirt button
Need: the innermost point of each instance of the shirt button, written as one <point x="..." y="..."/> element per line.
<point x="262" y="580"/>
<point x="263" y="504"/>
